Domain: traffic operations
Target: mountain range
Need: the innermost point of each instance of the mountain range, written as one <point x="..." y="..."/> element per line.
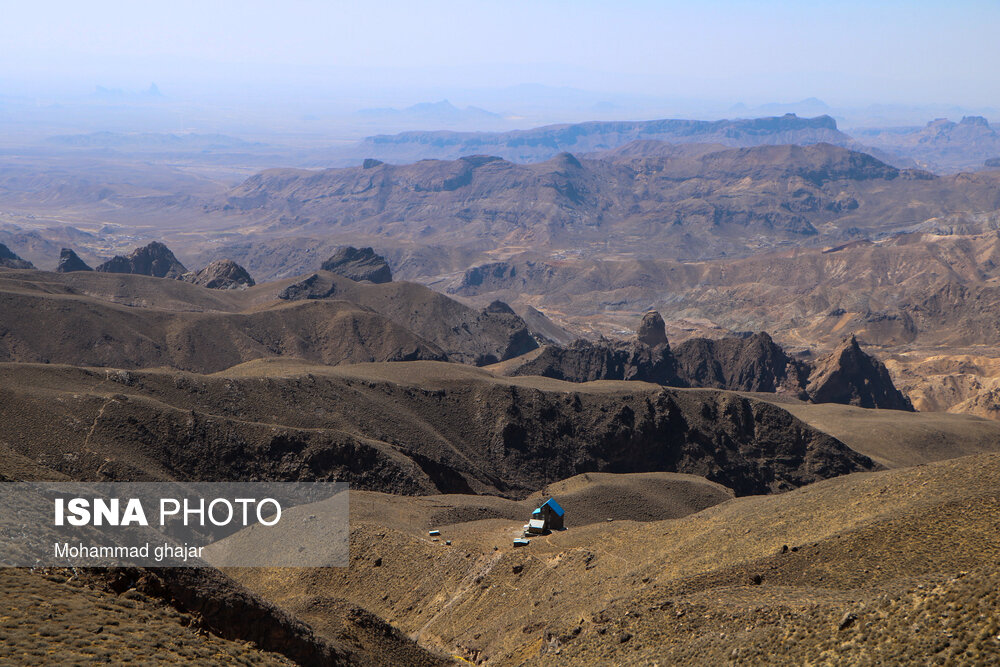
<point x="542" y="143"/>
<point x="695" y="203"/>
<point x="941" y="145"/>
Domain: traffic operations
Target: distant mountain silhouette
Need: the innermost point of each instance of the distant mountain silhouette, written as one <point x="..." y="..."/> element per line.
<point x="543" y="143"/>
<point x="941" y="145"/>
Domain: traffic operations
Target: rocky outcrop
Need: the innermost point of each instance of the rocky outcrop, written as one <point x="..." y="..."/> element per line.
<point x="848" y="375"/>
<point x="9" y="260"/>
<point x="754" y="363"/>
<point x="646" y="358"/>
<point x="314" y="286"/>
<point x="736" y="363"/>
<point x="652" y="330"/>
<point x="500" y="320"/>
<point x="221" y="274"/>
<point x="586" y="361"/>
<point x="359" y="264"/>
<point x="154" y="260"/>
<point x="69" y="261"/>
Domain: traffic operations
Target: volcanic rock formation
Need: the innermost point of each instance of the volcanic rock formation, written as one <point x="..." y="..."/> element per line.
<point x="69" y="261"/>
<point x="11" y="261"/>
<point x="359" y="264"/>
<point x="154" y="259"/>
<point x="221" y="274"/>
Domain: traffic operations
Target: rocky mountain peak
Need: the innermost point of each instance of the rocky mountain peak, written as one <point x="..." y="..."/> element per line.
<point x="154" y="259"/>
<point x="359" y="264"/>
<point x="221" y="274"/>
<point x="69" y="261"/>
<point x="851" y="376"/>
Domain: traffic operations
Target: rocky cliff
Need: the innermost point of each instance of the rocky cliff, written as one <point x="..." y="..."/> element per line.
<point x="754" y="363"/>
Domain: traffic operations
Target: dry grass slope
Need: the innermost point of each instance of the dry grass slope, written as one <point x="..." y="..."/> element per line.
<point x="47" y="617"/>
<point x="745" y="580"/>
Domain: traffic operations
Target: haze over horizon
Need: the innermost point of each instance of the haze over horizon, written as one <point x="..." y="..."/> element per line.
<point x="644" y="59"/>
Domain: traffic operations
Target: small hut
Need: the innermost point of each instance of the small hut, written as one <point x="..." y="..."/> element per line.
<point x="550" y="514"/>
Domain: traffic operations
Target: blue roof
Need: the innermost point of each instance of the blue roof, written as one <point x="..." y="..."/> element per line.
<point x="554" y="506"/>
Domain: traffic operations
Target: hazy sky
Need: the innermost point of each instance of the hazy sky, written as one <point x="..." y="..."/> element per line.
<point x="844" y="52"/>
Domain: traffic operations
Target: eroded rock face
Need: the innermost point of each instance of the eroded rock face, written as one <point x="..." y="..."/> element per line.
<point x="848" y="375"/>
<point x="69" y="261"/>
<point x="221" y="274"/>
<point x="154" y="260"/>
<point x="359" y="264"/>
<point x="11" y="261"/>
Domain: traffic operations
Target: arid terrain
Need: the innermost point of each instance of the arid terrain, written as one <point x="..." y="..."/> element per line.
<point x="757" y="362"/>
